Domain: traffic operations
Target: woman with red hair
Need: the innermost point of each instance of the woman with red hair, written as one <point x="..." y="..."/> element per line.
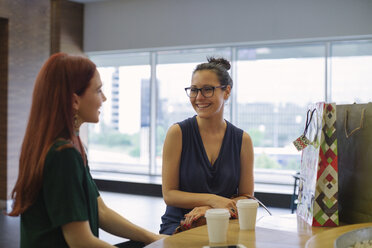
<point x="55" y="194"/>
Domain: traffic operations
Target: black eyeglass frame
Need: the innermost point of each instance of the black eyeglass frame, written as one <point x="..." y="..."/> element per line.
<point x="201" y="90"/>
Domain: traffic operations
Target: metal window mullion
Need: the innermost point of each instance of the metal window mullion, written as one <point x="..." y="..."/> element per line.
<point x="328" y="75"/>
<point x="233" y="107"/>
<point x="153" y="104"/>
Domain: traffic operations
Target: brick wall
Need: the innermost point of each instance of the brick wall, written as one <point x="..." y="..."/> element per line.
<point x="24" y="47"/>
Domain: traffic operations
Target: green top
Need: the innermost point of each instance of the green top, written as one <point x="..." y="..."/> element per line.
<point x="68" y="194"/>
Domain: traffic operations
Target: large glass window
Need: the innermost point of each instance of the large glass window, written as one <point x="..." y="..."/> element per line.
<point x="273" y="86"/>
<point x="120" y="141"/>
<point x="351" y="77"/>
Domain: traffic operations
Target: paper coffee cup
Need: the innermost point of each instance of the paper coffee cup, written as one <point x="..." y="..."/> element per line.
<point x="217" y="224"/>
<point x="247" y="211"/>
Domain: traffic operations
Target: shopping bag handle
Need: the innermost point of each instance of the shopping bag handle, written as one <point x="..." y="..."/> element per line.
<point x="308" y="120"/>
<point x="355" y="129"/>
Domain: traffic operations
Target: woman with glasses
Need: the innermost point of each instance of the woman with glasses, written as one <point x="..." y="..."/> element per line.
<point x="207" y="161"/>
<point x="55" y="194"/>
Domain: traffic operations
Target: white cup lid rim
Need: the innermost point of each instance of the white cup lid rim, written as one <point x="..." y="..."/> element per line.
<point x="217" y="212"/>
<point x="247" y="203"/>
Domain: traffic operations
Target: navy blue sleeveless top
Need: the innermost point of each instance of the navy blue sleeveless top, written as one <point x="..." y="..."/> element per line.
<point x="197" y="175"/>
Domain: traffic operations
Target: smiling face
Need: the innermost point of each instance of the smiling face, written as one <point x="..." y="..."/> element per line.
<point x="88" y="104"/>
<point x="211" y="106"/>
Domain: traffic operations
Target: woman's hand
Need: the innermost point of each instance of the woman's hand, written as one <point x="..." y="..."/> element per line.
<point x="217" y="202"/>
<point x="223" y="202"/>
<point x="193" y="215"/>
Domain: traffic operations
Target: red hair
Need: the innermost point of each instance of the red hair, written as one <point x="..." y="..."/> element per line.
<point x="51" y="117"/>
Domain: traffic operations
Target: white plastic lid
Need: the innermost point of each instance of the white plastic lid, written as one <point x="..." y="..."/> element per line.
<point x="217" y="213"/>
<point x="247" y="203"/>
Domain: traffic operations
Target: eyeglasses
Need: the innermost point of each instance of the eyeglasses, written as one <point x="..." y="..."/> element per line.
<point x="206" y="91"/>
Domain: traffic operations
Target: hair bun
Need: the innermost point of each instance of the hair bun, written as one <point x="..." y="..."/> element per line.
<point x="220" y="61"/>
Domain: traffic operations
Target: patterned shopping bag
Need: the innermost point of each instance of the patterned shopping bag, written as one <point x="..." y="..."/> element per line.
<point x="318" y="185"/>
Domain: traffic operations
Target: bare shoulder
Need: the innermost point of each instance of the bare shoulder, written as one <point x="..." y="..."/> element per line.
<point x="175" y="129"/>
<point x="247" y="141"/>
<point x="174" y="132"/>
<point x="173" y="140"/>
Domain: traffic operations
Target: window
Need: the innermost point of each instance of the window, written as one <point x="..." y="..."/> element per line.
<point x="273" y="86"/>
<point x="351" y="77"/>
<point x="120" y="141"/>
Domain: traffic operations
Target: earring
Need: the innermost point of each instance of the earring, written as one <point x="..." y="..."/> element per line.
<point x="77" y="123"/>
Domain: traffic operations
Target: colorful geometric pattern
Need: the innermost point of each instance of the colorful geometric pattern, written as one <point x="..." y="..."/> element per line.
<point x="319" y="194"/>
<point x="301" y="143"/>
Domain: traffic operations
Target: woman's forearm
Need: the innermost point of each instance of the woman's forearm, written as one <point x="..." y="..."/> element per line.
<point x="113" y="223"/>
<point x="189" y="200"/>
<point x="78" y="235"/>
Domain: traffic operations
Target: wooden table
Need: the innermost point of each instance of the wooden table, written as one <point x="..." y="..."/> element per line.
<point x="326" y="239"/>
<point x="282" y="231"/>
